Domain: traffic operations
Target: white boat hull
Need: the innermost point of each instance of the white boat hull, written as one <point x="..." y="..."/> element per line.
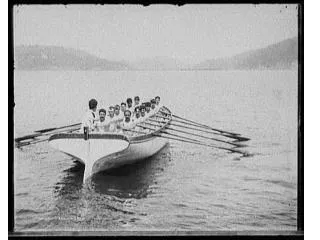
<point x="101" y="152"/>
<point x="135" y="152"/>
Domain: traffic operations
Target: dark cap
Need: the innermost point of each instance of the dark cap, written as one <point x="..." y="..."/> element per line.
<point x="136" y="98"/>
<point x="157" y="97"/>
<point x="148" y="104"/>
<point x="93" y="103"/>
<point x="142" y="107"/>
<point x="123" y="103"/>
<point x="102" y="110"/>
<point x="129" y="100"/>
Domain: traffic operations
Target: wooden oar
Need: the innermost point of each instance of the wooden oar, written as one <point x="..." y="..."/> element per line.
<point x="197" y="135"/>
<point x="38" y="134"/>
<point x="203" y="125"/>
<point x="197" y="142"/>
<point x="30" y="136"/>
<point x="184" y="139"/>
<point x="21" y="142"/>
<point x="238" y="138"/>
<point x="194" y="140"/>
<point x="56" y="128"/>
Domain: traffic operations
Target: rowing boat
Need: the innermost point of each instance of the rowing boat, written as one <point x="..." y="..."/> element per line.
<point x="100" y="152"/>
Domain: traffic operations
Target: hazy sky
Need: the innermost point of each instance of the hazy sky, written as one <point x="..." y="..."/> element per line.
<point x="190" y="33"/>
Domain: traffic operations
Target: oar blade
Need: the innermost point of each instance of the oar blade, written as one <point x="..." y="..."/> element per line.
<point x="30" y="136"/>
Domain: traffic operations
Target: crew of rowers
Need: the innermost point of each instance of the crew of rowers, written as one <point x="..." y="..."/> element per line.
<point x="119" y="118"/>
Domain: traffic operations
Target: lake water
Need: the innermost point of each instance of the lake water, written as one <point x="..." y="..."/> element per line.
<point x="184" y="187"/>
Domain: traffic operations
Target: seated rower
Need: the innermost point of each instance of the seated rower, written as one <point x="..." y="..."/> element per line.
<point x="136" y="117"/>
<point x="153" y="105"/>
<point x="111" y="120"/>
<point x="122" y="109"/>
<point x="117" y="114"/>
<point x="90" y="116"/>
<point x="136" y="101"/>
<point x="101" y="125"/>
<point x="129" y="105"/>
<point x="127" y="124"/>
<point x="148" y="108"/>
<point x="142" y="112"/>
<point x="158" y="105"/>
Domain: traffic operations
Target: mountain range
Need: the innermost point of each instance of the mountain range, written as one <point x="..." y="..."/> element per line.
<point x="282" y="55"/>
<point x="52" y="57"/>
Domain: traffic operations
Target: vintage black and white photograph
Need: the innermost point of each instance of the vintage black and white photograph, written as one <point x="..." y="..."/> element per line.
<point x="155" y="119"/>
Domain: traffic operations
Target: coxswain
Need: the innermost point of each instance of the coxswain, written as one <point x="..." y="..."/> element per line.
<point x="90" y="116"/>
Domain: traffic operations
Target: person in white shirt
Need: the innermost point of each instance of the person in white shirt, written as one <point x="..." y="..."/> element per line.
<point x="127" y="122"/>
<point x="158" y="105"/>
<point x="148" y="109"/>
<point x="123" y="107"/>
<point x="142" y="112"/>
<point x="129" y="105"/>
<point x="101" y="126"/>
<point x="136" y="101"/>
<point x="153" y="107"/>
<point x="111" y="120"/>
<point x="90" y="116"/>
<point x="136" y="117"/>
<point x="117" y="114"/>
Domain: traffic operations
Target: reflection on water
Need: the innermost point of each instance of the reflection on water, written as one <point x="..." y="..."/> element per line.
<point x="129" y="181"/>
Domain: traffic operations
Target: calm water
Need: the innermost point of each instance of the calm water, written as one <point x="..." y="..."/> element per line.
<point x="184" y="187"/>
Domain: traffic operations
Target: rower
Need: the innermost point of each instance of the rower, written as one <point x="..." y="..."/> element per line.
<point x="136" y="117"/>
<point x="123" y="107"/>
<point x="90" y="116"/>
<point x="158" y="105"/>
<point x="142" y="118"/>
<point x="129" y="105"/>
<point x="148" y="108"/>
<point x="153" y="106"/>
<point x="127" y="123"/>
<point x="117" y="114"/>
<point x="136" y="101"/>
<point x="111" y="120"/>
<point x="142" y="112"/>
<point x="101" y="125"/>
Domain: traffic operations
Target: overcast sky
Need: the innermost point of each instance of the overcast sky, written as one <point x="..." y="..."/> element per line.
<point x="190" y="33"/>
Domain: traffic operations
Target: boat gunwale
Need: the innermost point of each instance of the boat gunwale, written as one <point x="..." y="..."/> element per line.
<point x="112" y="136"/>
